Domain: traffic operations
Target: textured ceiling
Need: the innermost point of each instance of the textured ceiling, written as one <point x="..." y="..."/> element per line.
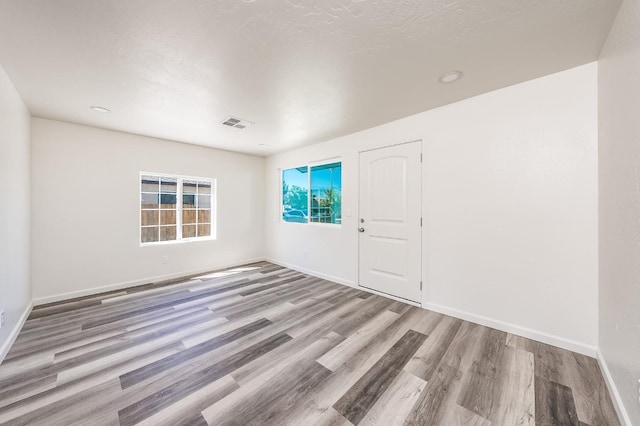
<point x="303" y="70"/>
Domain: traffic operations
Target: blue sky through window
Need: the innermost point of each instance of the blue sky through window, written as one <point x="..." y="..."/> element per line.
<point x="297" y="177"/>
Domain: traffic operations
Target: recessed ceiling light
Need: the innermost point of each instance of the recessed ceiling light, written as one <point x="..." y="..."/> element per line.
<point x="450" y="77"/>
<point x="100" y="109"/>
<point x="262" y="145"/>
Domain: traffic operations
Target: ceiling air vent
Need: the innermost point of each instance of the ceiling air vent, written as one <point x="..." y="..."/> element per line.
<point x="237" y="123"/>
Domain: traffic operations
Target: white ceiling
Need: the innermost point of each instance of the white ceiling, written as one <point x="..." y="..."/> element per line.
<point x="303" y="70"/>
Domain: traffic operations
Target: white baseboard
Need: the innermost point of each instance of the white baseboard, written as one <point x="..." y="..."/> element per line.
<point x="127" y="284"/>
<point x="388" y="296"/>
<point x="623" y="416"/>
<point x="312" y="273"/>
<point x="539" y="336"/>
<point x="4" y="350"/>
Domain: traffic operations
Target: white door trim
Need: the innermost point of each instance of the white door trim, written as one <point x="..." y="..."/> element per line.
<point x="390" y="146"/>
<point x="423" y="283"/>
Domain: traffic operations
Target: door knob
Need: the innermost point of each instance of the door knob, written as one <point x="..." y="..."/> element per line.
<point x="361" y="229"/>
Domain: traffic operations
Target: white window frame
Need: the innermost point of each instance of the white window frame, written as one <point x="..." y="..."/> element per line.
<point x="179" y="208"/>
<point x="309" y="166"/>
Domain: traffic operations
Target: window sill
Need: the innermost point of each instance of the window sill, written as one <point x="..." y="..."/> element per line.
<point x="182" y="241"/>
<point x="319" y="224"/>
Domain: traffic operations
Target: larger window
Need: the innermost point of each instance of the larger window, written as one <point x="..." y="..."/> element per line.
<point x="312" y="193"/>
<point x="176" y="208"/>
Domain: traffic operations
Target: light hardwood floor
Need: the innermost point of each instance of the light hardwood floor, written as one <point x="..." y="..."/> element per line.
<point x="261" y="344"/>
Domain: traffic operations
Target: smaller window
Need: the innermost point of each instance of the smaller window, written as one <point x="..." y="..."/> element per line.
<point x="312" y="194"/>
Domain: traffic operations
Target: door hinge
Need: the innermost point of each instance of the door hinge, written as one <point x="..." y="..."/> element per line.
<point x="421" y="157"/>
<point x="420" y="285"/>
<point x="420" y="221"/>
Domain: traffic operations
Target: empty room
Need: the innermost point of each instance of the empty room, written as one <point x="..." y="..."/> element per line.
<point x="320" y="212"/>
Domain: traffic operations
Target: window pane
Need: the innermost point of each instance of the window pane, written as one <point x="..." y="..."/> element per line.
<point x="169" y="185"/>
<point x="150" y="184"/>
<point x="204" y="230"/>
<point x="189" y="187"/>
<point x="188" y="231"/>
<point x="149" y="201"/>
<point x="188" y="216"/>
<point x="326" y="197"/>
<point x="149" y="235"/>
<point x="204" y="187"/>
<point x="167" y="217"/>
<point x="149" y="217"/>
<point x="168" y="201"/>
<point x="189" y="201"/>
<point x="204" y="201"/>
<point x="295" y="194"/>
<point x="168" y="233"/>
<point x="204" y="216"/>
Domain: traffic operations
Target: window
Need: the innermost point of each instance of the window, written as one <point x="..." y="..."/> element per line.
<point x="295" y="194"/>
<point x="312" y="194"/>
<point x="176" y="208"/>
<point x="326" y="200"/>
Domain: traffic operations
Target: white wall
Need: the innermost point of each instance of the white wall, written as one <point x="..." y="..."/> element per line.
<point x="86" y="208"/>
<point x="510" y="207"/>
<point x="15" y="285"/>
<point x="619" y="171"/>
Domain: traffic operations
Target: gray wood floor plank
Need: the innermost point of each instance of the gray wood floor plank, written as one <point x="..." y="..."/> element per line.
<point x="590" y="394"/>
<point x="461" y="416"/>
<point x="515" y="401"/>
<point x="437" y="399"/>
<point x="330" y="418"/>
<point x="273" y="398"/>
<point x="355" y="404"/>
<point x="554" y="404"/>
<point x="273" y="385"/>
<point x="283" y="356"/>
<point x="491" y="362"/>
<point x="478" y="393"/>
<point x="171" y="322"/>
<point x="402" y="395"/>
<point x="22" y="390"/>
<point x="340" y="354"/>
<point x="131" y="378"/>
<point x="65" y="393"/>
<point x="189" y="409"/>
<point x="152" y="404"/>
<point x="429" y="355"/>
<point x="369" y="309"/>
<point x="465" y="349"/>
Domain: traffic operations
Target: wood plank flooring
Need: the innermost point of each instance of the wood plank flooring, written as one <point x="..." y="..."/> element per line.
<point x="264" y="345"/>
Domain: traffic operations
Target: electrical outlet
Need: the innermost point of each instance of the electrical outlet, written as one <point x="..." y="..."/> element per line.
<point x="164" y="260"/>
<point x="1" y="319"/>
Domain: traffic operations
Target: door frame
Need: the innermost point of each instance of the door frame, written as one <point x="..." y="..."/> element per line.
<point x="423" y="290"/>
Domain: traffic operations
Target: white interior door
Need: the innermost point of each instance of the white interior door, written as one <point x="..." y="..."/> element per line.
<point x="390" y="234"/>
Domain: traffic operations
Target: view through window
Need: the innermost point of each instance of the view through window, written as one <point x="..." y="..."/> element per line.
<point x="174" y="208"/>
<point x="312" y="194"/>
